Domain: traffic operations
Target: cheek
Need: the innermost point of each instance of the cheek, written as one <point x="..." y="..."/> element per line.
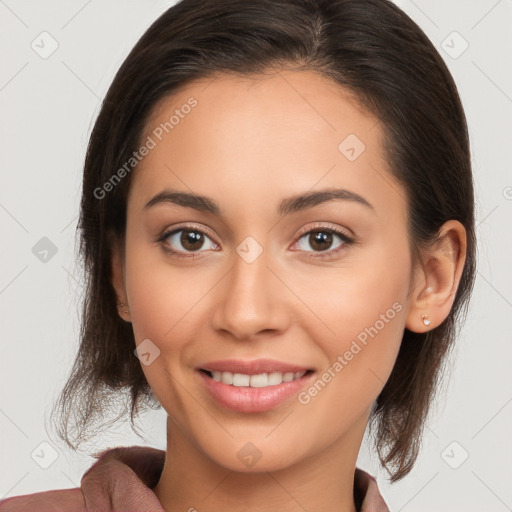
<point x="161" y="296"/>
<point x="162" y="300"/>
<point x="353" y="297"/>
<point x="167" y="307"/>
<point x="355" y="311"/>
<point x="361" y="315"/>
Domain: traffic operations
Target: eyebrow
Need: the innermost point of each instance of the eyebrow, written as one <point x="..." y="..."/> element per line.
<point x="289" y="205"/>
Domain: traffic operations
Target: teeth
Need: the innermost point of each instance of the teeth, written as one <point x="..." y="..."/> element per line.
<point x="261" y="380"/>
<point x="241" y="380"/>
<point x="226" y="377"/>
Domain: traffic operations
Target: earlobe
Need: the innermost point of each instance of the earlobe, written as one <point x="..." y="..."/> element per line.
<point x="438" y="279"/>
<point x="118" y="280"/>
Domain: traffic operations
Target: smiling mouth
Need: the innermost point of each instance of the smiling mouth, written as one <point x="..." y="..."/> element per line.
<point x="261" y="380"/>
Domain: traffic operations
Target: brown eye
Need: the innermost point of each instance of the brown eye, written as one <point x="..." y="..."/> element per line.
<point x="183" y="241"/>
<point x="191" y="240"/>
<point x="320" y="240"/>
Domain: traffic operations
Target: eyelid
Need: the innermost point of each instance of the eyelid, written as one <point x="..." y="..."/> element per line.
<point x="185" y="226"/>
<point x="325" y="225"/>
<point x="189" y="226"/>
<point x="347" y="239"/>
<point x="329" y="254"/>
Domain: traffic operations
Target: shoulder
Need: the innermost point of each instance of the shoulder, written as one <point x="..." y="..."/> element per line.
<point x="121" y="478"/>
<point x="61" y="500"/>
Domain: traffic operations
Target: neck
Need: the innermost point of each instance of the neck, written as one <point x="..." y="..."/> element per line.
<point x="190" y="480"/>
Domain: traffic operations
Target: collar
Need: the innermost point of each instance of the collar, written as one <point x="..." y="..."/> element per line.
<point x="123" y="478"/>
<point x="139" y="470"/>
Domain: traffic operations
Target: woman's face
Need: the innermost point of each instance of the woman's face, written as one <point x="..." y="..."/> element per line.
<point x="318" y="284"/>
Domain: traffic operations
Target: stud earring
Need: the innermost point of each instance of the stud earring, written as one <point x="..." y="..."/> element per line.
<point x="123" y="305"/>
<point x="425" y="319"/>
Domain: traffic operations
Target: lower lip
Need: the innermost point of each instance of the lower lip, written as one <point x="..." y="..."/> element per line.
<point x="248" y="399"/>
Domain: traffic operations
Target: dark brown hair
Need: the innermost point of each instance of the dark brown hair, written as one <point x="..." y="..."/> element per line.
<point x="369" y="47"/>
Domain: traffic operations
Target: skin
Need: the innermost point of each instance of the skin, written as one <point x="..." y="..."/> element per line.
<point x="248" y="144"/>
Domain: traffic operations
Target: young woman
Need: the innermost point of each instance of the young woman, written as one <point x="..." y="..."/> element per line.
<point x="277" y="226"/>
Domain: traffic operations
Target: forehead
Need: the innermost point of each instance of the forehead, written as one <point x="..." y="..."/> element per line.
<point x="271" y="135"/>
<point x="285" y="95"/>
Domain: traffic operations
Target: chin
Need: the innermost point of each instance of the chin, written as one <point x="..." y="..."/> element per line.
<point x="245" y="456"/>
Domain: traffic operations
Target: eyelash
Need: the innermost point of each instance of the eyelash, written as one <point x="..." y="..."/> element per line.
<point x="347" y="241"/>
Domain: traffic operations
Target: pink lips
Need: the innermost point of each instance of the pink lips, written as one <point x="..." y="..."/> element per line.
<point x="248" y="399"/>
<point x="252" y="367"/>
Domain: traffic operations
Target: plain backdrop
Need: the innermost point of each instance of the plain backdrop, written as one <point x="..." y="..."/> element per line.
<point x="48" y="106"/>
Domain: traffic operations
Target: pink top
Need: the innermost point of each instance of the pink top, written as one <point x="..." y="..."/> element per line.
<point x="121" y="481"/>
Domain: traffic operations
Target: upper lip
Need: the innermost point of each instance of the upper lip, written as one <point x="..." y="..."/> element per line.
<point x="253" y="367"/>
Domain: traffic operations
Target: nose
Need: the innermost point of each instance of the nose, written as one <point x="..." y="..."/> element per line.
<point x="252" y="300"/>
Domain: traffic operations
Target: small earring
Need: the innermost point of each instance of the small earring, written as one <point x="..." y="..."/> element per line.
<point x="425" y="319"/>
<point x="122" y="305"/>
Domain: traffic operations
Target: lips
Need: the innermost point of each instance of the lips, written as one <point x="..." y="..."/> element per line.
<point x="254" y="367"/>
<point x="253" y="386"/>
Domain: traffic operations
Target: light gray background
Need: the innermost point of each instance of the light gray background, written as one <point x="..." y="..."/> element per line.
<point x="48" y="108"/>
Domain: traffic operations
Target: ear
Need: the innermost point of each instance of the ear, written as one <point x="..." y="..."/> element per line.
<point x="437" y="279"/>
<point x="118" y="278"/>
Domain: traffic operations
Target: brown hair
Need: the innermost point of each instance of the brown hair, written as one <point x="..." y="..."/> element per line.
<point x="367" y="46"/>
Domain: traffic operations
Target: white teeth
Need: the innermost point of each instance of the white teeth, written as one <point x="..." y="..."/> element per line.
<point x="275" y="378"/>
<point x="226" y="377"/>
<point x="261" y="380"/>
<point x="239" y="379"/>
